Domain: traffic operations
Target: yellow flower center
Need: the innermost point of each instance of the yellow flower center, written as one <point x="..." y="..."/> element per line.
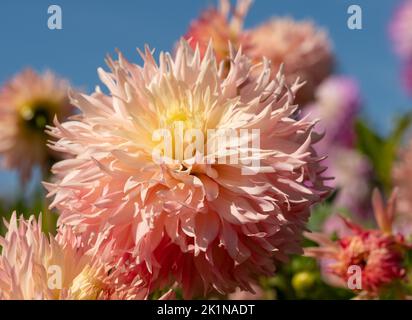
<point x="36" y="115"/>
<point x="180" y="127"/>
<point x="87" y="285"/>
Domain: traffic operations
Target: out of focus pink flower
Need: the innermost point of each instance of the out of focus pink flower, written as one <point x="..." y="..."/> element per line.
<point x="303" y="48"/>
<point x="401" y="34"/>
<point x="216" y="25"/>
<point x="202" y="224"/>
<point x="401" y="30"/>
<point x="351" y="171"/>
<point x="378" y="253"/>
<point x="336" y="106"/>
<point x="32" y="266"/>
<point x="337" y="103"/>
<point x="28" y="103"/>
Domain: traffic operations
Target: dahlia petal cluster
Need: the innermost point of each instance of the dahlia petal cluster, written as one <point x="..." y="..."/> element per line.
<point x="202" y="225"/>
<point x="34" y="266"/>
<point x="380" y="254"/>
<point x="28" y="103"/>
<point x="303" y="49"/>
<point x="400" y="30"/>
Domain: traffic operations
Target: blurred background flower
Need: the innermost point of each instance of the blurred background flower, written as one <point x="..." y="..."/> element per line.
<point x="401" y="29"/>
<point x="303" y="48"/>
<point x="401" y="33"/>
<point x="337" y="105"/>
<point x="28" y="104"/>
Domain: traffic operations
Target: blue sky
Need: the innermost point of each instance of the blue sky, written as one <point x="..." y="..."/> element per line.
<point x="93" y="28"/>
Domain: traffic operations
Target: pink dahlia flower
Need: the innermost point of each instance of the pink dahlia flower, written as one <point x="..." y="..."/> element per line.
<point x="198" y="220"/>
<point x="303" y="49"/>
<point x="378" y="253"/>
<point x="401" y="30"/>
<point x="28" y="103"/>
<point x="32" y="266"/>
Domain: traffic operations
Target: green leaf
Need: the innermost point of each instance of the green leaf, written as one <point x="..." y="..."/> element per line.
<point x="382" y="152"/>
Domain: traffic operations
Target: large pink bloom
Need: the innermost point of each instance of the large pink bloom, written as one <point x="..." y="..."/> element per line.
<point x="205" y="226"/>
<point x="28" y="103"/>
<point x="32" y="266"/>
